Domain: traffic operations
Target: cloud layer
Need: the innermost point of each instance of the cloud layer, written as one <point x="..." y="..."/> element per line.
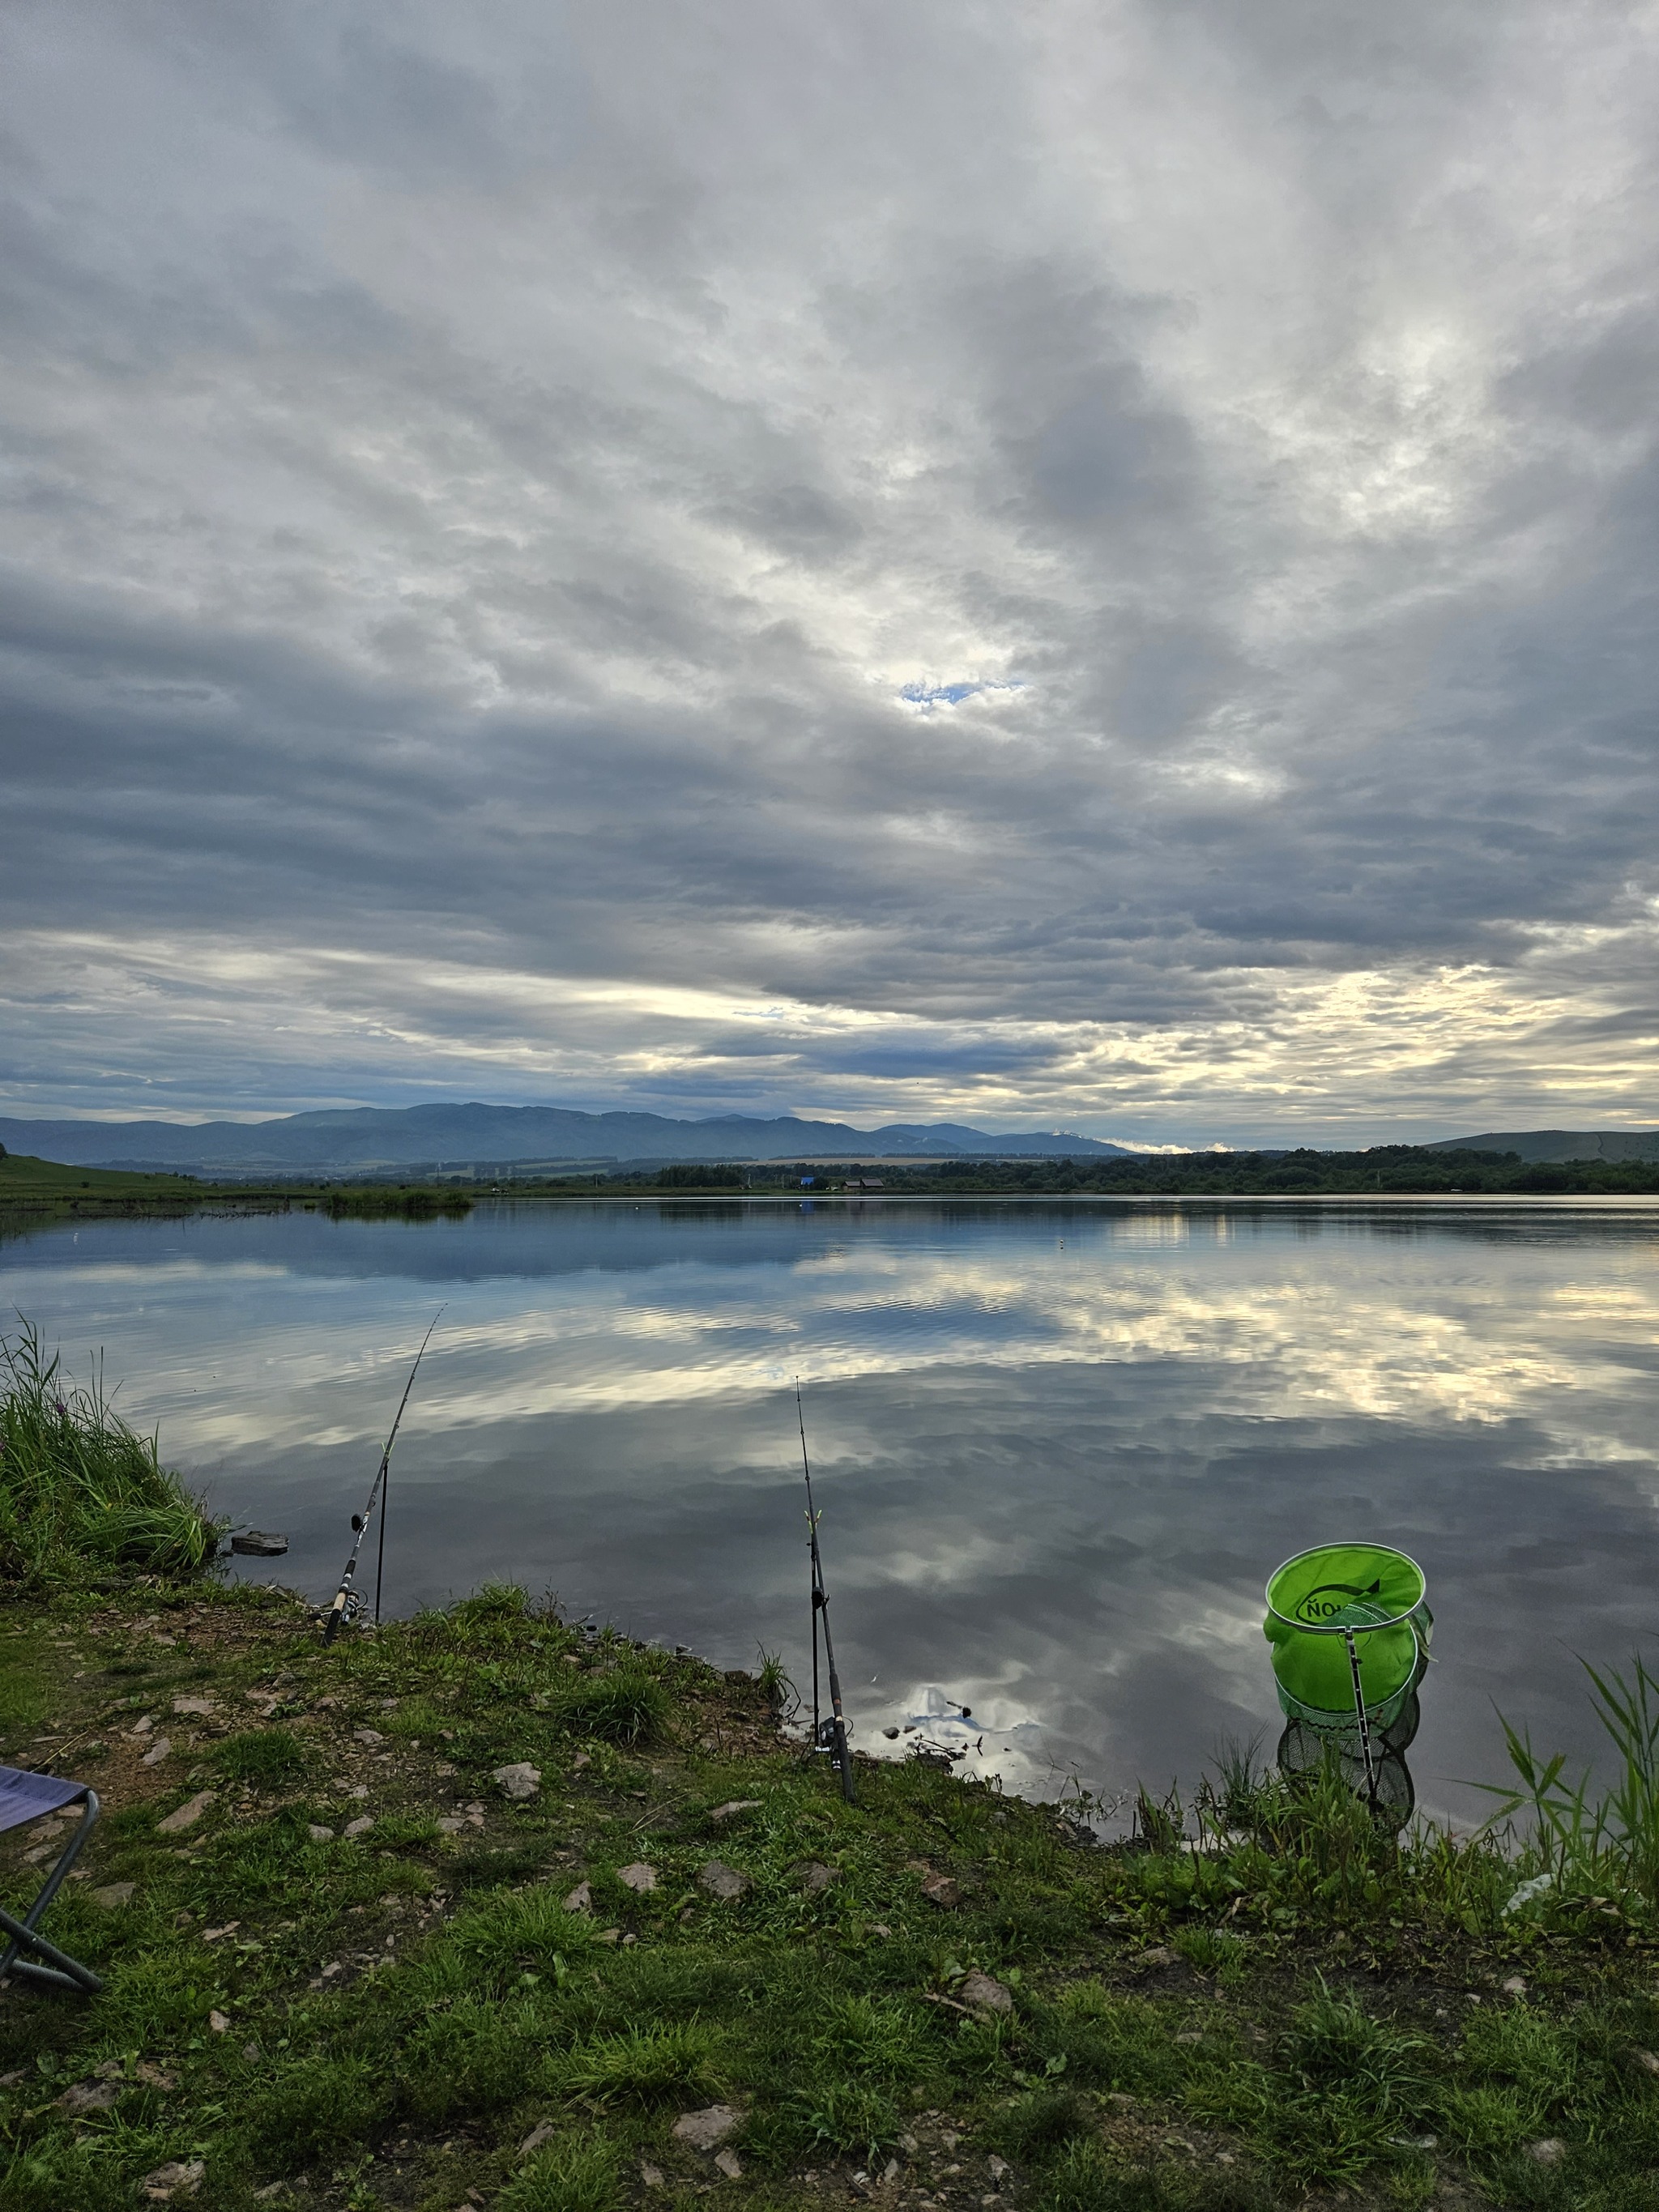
<point x="1093" y="563"/>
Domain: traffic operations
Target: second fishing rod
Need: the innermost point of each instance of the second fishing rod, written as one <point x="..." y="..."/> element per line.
<point x="828" y="1734"/>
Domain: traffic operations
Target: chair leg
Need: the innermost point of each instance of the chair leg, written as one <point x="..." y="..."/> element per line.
<point x="64" y="1972"/>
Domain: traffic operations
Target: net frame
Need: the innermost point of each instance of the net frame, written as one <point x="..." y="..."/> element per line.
<point x="1348" y="1629"/>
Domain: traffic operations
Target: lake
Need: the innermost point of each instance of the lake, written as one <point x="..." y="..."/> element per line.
<point x="1058" y="1448"/>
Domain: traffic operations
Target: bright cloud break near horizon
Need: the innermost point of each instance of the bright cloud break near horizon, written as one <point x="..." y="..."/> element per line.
<point x="1088" y="566"/>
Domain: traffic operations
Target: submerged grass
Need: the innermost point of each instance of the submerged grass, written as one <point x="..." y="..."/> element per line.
<point x="81" y="1491"/>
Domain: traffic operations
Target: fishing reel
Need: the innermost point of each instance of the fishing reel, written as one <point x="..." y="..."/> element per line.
<point x="352" y="1608"/>
<point x="826" y="1742"/>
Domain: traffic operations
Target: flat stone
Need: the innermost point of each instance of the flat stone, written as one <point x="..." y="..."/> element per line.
<point x="711" y="2125"/>
<point x="361" y="1825"/>
<point x="720" y="1881"/>
<point x="1550" y="2150"/>
<point x="187" y="1814"/>
<point x="368" y="1735"/>
<point x="157" y="1752"/>
<point x="538" y="2135"/>
<point x="519" y="1782"/>
<point x="154" y="2076"/>
<point x="179" y="2177"/>
<point x="730" y="1810"/>
<point x="651" y="2176"/>
<point x="816" y="1876"/>
<point x="1159" y="1954"/>
<point x="984" y="1994"/>
<point x="192" y="1704"/>
<point x="319" y="1834"/>
<point x="219" y="2022"/>
<point x="941" y="1889"/>
<point x="639" y="1877"/>
<point x="580" y="1898"/>
<point x="256" y="1544"/>
<point x="90" y="2097"/>
<point x="114" y="1894"/>
<point x="729" y="2164"/>
<point x="1516" y="1986"/>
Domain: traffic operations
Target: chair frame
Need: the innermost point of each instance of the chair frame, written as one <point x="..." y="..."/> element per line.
<point x="52" y="1968"/>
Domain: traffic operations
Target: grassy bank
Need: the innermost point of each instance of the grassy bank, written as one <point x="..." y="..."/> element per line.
<point x="345" y="1967"/>
<point x="483" y="1907"/>
<point x="32" y="1189"/>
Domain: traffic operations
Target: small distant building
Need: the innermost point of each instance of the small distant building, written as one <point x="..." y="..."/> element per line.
<point x="807" y="1182"/>
<point x="863" y="1183"/>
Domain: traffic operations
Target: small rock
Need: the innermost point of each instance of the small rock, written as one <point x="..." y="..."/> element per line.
<point x="999" y="2167"/>
<point x="1646" y="2060"/>
<point x="192" y="1704"/>
<point x="1189" y="2035"/>
<point x="219" y="2022"/>
<point x="639" y="1877"/>
<point x="212" y="1935"/>
<point x="581" y="1763"/>
<point x="179" y="2177"/>
<point x="703" y="2129"/>
<point x="520" y="1783"/>
<point x="154" y="2076"/>
<point x="157" y="1752"/>
<point x="984" y="1994"/>
<point x="360" y="1826"/>
<point x="89" y="2097"/>
<point x="1550" y="2150"/>
<point x="891" y="1734"/>
<point x="319" y="1834"/>
<point x="580" y="1898"/>
<point x="721" y="1881"/>
<point x="114" y="1894"/>
<point x="889" y="2172"/>
<point x="1515" y="1987"/>
<point x="816" y="1876"/>
<point x="939" y="1889"/>
<point x="651" y="2176"/>
<point x="187" y="1814"/>
<point x="1159" y="1954"/>
<point x="537" y="2136"/>
<point x="729" y="2164"/>
<point x="730" y="1810"/>
<point x="609" y="1935"/>
<point x="368" y="1735"/>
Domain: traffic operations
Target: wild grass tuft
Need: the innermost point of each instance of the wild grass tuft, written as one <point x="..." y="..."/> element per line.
<point x="577" y="2175"/>
<point x="624" y="1705"/>
<point x="1589" y="1843"/>
<point x="647" y="2065"/>
<point x="266" y="1757"/>
<point x="81" y="1491"/>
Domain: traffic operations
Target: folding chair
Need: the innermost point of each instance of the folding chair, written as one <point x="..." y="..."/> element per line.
<point x="25" y="1797"/>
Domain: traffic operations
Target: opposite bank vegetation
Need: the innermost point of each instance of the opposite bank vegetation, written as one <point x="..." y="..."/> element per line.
<point x="33" y="1190"/>
<point x="490" y="1908"/>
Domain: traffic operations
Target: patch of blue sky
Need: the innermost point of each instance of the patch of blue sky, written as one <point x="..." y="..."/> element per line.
<point x="928" y="696"/>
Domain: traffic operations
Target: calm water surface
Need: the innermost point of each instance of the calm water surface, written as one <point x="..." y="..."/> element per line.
<point x="1059" y="1447"/>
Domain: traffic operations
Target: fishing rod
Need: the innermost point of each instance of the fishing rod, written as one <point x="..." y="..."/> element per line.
<point x="347" y="1603"/>
<point x="830" y="1735"/>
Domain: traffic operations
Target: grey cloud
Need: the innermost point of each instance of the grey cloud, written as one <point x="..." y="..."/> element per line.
<point x="483" y="488"/>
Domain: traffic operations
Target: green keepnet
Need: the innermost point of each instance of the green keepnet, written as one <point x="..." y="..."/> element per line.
<point x="1369" y="1588"/>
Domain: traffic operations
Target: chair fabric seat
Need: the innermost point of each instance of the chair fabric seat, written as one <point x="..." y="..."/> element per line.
<point x="25" y="1797"/>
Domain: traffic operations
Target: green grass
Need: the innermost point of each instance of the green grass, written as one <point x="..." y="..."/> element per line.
<point x="81" y="1491"/>
<point x="1277" y="1997"/>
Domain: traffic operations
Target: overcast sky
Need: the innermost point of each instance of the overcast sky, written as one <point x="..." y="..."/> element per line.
<point x="1052" y="566"/>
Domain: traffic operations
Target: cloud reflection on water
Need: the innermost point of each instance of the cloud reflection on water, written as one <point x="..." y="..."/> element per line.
<point x="1060" y="1447"/>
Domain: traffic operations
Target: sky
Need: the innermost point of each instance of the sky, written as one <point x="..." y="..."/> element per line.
<point x="1078" y="566"/>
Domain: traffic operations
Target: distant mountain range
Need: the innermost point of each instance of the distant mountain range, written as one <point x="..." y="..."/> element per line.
<point x="366" y="1138"/>
<point x="1559" y="1144"/>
